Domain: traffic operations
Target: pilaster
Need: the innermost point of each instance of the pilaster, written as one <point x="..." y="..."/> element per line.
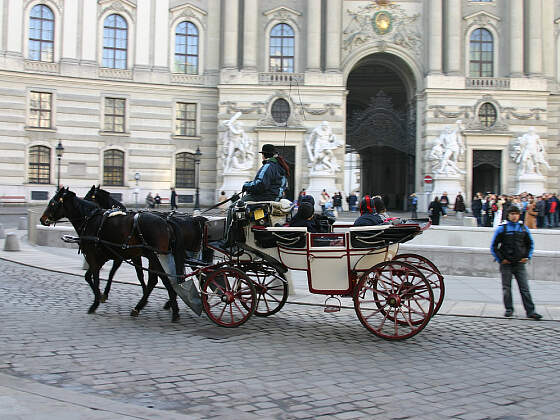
<point x="516" y="27"/>
<point x="250" y="35"/>
<point x="313" y="35"/>
<point x="435" y="41"/>
<point x="231" y="19"/>
<point x="334" y="26"/>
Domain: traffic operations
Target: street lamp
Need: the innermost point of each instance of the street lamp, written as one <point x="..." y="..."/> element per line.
<point x="136" y="190"/>
<point x="59" y="152"/>
<point x="197" y="156"/>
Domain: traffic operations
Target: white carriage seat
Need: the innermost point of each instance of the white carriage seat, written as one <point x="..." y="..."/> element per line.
<point x="289" y="237"/>
<point x="368" y="236"/>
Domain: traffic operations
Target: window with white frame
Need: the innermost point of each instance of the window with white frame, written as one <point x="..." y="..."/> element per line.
<point x="115" y="42"/>
<point x="113" y="167"/>
<point x="41" y="33"/>
<point x="186" y="48"/>
<point x="40" y="109"/>
<point x="114" y="115"/>
<point x="39" y="170"/>
<point x="281" y="52"/>
<point x="481" y="53"/>
<point x="185" y="119"/>
<point x="184" y="170"/>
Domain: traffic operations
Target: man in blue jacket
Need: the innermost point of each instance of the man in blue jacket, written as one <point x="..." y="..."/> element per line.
<point x="368" y="215"/>
<point x="512" y="247"/>
<point x="271" y="179"/>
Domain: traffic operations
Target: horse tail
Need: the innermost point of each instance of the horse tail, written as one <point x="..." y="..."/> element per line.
<point x="178" y="246"/>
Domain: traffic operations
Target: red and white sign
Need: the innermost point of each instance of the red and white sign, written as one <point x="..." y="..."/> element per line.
<point x="428" y="179"/>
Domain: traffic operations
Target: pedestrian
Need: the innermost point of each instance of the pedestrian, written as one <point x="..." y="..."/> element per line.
<point x="557" y="212"/>
<point x="444" y="202"/>
<point x="173" y="200"/>
<point x="337" y="202"/>
<point x="157" y="199"/>
<point x="413" y="206"/>
<point x="435" y="210"/>
<point x="476" y="207"/>
<point x="540" y="206"/>
<point x="512" y="247"/>
<point x="352" y="200"/>
<point x="150" y="202"/>
<point x="459" y="207"/>
<point x="324" y="199"/>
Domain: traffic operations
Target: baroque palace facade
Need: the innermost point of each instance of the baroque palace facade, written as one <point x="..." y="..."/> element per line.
<point x="138" y="86"/>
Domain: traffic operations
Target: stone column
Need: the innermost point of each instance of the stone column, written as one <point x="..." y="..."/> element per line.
<point x="453" y="39"/>
<point x="534" y="26"/>
<point x="15" y="30"/>
<point x="548" y="38"/>
<point x="250" y="35"/>
<point x="69" y="36"/>
<point x="334" y="27"/>
<point x="313" y="35"/>
<point x="231" y="18"/>
<point x="516" y="38"/>
<point x="213" y="50"/>
<point x="143" y="36"/>
<point x="161" y="34"/>
<point x="435" y="40"/>
<point x="89" y="31"/>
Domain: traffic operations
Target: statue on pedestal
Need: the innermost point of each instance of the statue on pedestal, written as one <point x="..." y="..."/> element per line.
<point x="528" y="153"/>
<point x="320" y="145"/>
<point x="446" y="151"/>
<point x="238" y="151"/>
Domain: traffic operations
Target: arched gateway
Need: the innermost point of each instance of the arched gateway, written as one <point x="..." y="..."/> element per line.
<point x="381" y="125"/>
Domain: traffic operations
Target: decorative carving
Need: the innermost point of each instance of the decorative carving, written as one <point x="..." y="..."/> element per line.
<point x="384" y="24"/>
<point x="483" y="19"/>
<point x="330" y="108"/>
<point x="464" y="111"/>
<point x="189" y="12"/>
<point x="119" y="6"/>
<point x="187" y="79"/>
<point x="238" y="150"/>
<point x="528" y="152"/>
<point x="232" y="107"/>
<point x="509" y="112"/>
<point x="107" y="73"/>
<point x="41" y="66"/>
<point x="446" y="150"/>
<point x="59" y="4"/>
<point x="294" y="120"/>
<point x="320" y="145"/>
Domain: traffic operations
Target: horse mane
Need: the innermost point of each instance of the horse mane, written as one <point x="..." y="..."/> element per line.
<point x="110" y="201"/>
<point x="85" y="207"/>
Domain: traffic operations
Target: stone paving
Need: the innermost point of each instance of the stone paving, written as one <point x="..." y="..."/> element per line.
<point x="300" y="363"/>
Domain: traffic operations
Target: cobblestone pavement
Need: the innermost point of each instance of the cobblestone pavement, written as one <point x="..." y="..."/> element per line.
<point x="300" y="363"/>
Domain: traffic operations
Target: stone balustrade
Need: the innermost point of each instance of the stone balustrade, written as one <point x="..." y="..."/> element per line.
<point x="277" y="78"/>
<point x="487" y="83"/>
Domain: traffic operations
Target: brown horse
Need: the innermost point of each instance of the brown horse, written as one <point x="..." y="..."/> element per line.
<point x="133" y="235"/>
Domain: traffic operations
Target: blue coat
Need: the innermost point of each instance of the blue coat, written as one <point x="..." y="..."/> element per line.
<point x="269" y="183"/>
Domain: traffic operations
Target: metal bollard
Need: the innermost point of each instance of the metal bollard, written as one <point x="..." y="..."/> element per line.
<point x="2" y="233"/>
<point x="22" y="223"/>
<point x="11" y="243"/>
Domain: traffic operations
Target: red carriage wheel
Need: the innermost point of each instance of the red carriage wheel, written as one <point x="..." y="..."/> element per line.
<point x="393" y="300"/>
<point x="271" y="286"/>
<point x="432" y="274"/>
<point x="228" y="297"/>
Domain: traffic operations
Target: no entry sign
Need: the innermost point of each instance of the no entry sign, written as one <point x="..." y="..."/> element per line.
<point x="428" y="179"/>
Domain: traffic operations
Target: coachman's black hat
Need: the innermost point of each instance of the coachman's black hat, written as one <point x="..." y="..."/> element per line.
<point x="268" y="148"/>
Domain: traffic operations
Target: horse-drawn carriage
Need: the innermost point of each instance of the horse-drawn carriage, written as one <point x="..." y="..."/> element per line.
<point x="394" y="295"/>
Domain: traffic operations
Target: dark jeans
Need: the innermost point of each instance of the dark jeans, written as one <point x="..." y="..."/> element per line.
<point x="414" y="214"/>
<point x="520" y="272"/>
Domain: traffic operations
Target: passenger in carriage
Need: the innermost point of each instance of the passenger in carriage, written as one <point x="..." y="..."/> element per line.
<point x="305" y="218"/>
<point x="379" y="207"/>
<point x="271" y="179"/>
<point x="368" y="214"/>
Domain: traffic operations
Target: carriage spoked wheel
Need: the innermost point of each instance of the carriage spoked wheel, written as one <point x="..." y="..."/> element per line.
<point x="432" y="274"/>
<point x="393" y="300"/>
<point x="271" y="286"/>
<point x="228" y="297"/>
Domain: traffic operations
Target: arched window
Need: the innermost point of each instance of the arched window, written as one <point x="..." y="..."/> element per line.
<point x="39" y="171"/>
<point x="280" y="111"/>
<point x="184" y="170"/>
<point x="41" y="33"/>
<point x="115" y="41"/>
<point x="482" y="54"/>
<point x="487" y="115"/>
<point x="282" y="41"/>
<point x="186" y="48"/>
<point x="113" y="167"/>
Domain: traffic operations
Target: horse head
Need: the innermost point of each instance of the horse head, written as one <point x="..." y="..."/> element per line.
<point x="55" y="208"/>
<point x="90" y="196"/>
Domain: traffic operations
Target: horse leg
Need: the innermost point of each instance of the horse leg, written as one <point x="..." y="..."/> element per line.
<point x="137" y="261"/>
<point x="95" y="287"/>
<point x="114" y="268"/>
<point x="172" y="299"/>
<point x="152" y="281"/>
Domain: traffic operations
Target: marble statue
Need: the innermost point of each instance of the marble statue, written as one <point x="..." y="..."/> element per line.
<point x="528" y="153"/>
<point x="446" y="151"/>
<point x="320" y="145"/>
<point x="238" y="152"/>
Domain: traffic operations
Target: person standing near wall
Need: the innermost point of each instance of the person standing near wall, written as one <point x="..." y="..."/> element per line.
<point x="435" y="210"/>
<point x="459" y="207"/>
<point x="173" y="200"/>
<point x="512" y="247"/>
<point x="413" y="206"/>
<point x="476" y="207"/>
<point x="444" y="202"/>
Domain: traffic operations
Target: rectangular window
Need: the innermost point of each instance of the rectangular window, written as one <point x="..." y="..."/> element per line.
<point x="40" y="110"/>
<point x="115" y="112"/>
<point x="39" y="165"/>
<point x="185" y="119"/>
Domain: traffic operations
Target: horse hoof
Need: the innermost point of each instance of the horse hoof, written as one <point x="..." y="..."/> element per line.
<point x="134" y="313"/>
<point x="91" y="310"/>
<point x="167" y="306"/>
<point x="103" y="298"/>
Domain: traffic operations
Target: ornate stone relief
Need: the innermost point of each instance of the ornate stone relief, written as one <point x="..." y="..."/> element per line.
<point x="384" y="25"/>
<point x="330" y="108"/>
<point x="59" y="4"/>
<point x="482" y="19"/>
<point x="232" y="107"/>
<point x="122" y="6"/>
<point x="189" y="12"/>
<point x="294" y="120"/>
<point x="284" y="15"/>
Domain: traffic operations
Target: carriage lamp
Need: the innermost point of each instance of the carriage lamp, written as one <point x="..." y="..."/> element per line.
<point x="197" y="156"/>
<point x="59" y="152"/>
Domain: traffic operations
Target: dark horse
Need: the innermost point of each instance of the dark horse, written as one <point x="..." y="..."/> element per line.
<point x="135" y="235"/>
<point x="109" y="202"/>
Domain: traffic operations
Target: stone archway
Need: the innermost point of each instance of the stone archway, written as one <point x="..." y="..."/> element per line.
<point x="381" y="126"/>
